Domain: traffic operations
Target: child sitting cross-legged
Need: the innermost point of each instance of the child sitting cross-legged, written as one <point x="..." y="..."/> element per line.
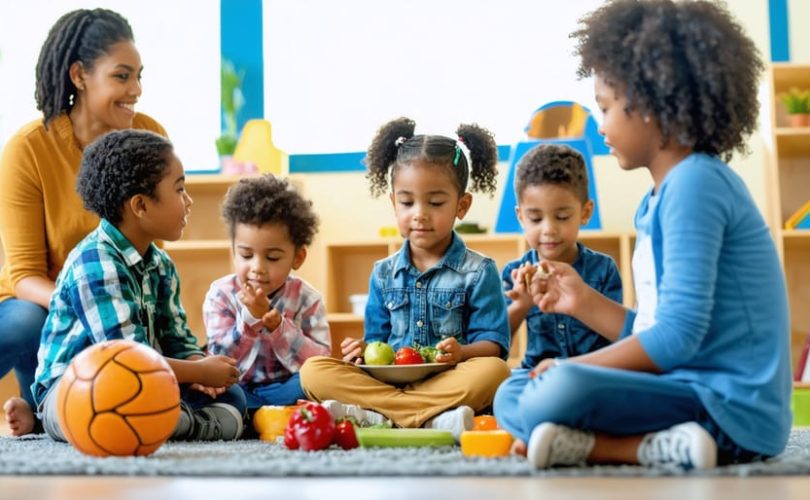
<point x="432" y="292"/>
<point x="116" y="284"/>
<point x="269" y="320"/>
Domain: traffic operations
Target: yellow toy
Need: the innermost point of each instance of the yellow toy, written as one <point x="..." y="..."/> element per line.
<point x="256" y="146"/>
<point x="487" y="444"/>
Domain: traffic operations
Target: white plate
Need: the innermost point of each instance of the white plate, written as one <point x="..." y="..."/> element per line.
<point x="404" y="374"/>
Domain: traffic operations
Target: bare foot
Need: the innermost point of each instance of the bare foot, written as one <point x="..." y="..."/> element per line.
<point x="518" y="448"/>
<point x="19" y="416"/>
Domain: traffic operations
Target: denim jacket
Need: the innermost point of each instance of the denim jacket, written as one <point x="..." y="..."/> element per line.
<point x="558" y="335"/>
<point x="458" y="297"/>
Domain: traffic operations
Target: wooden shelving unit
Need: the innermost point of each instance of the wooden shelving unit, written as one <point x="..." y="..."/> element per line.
<point x="348" y="267"/>
<point x="204" y="252"/>
<point x="788" y="190"/>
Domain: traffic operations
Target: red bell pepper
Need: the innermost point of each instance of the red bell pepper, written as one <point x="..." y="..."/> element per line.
<point x="312" y="427"/>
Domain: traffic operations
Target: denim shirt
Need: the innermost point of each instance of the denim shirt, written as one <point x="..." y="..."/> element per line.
<point x="458" y="297"/>
<point x="558" y="335"/>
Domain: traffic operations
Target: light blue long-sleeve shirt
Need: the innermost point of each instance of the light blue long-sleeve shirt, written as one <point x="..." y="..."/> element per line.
<point x="722" y="323"/>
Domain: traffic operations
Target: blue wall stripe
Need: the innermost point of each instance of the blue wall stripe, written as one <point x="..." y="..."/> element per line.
<point x="780" y="30"/>
<point x="346" y="162"/>
<point x="242" y="43"/>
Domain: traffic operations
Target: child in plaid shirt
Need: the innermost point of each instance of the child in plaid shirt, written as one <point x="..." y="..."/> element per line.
<point x="117" y="284"/>
<point x="267" y="319"/>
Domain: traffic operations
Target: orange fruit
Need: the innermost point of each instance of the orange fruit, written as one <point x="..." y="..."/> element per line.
<point x="485" y="423"/>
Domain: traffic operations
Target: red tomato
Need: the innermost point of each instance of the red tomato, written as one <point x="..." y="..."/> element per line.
<point x="408" y="356"/>
<point x="345" y="436"/>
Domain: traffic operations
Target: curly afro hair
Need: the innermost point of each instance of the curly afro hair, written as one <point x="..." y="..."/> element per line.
<point x="120" y="165"/>
<point x="689" y="64"/>
<point x="267" y="199"/>
<point x="396" y="145"/>
<point x="553" y="164"/>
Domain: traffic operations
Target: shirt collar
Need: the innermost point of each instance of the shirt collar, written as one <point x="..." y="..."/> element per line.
<point x="453" y="257"/>
<point x="534" y="257"/>
<point x="64" y="128"/>
<point x="109" y="233"/>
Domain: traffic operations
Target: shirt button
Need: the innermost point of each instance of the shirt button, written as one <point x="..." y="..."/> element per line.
<point x="448" y="305"/>
<point x="419" y="323"/>
<point x="418" y="284"/>
<point x="390" y="305"/>
<point x="561" y="326"/>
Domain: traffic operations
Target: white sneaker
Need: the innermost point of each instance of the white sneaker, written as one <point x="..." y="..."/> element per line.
<point x="686" y="445"/>
<point x="456" y="421"/>
<point x="362" y="417"/>
<point x="553" y="444"/>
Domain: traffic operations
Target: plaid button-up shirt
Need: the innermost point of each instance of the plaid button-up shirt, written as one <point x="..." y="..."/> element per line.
<point x="265" y="356"/>
<point x="107" y="290"/>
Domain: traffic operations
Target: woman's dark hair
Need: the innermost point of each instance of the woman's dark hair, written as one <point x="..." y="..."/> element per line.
<point x="556" y="164"/>
<point x="81" y="35"/>
<point x="267" y="199"/>
<point x="396" y="145"/>
<point x="688" y="64"/>
<point x="119" y="165"/>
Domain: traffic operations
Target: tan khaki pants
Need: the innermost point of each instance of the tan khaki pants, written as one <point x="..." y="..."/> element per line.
<point x="472" y="383"/>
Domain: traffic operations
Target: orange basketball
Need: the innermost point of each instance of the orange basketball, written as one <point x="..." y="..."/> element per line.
<point x="118" y="398"/>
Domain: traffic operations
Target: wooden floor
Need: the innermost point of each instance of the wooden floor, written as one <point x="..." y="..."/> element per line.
<point x="467" y="488"/>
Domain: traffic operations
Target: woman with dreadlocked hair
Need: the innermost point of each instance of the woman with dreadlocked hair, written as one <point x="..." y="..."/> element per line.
<point x="87" y="83"/>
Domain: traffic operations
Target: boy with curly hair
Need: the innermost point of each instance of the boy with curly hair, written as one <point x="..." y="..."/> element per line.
<point x="551" y="187"/>
<point x="266" y="318"/>
<point x="116" y="284"/>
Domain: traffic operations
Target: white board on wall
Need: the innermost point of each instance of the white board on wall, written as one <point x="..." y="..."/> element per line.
<point x="180" y="50"/>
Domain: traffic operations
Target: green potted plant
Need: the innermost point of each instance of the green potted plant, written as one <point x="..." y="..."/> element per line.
<point x="797" y="104"/>
<point x="232" y="101"/>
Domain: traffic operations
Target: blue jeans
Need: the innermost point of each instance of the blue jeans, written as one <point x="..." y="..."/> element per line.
<point x="195" y="399"/>
<point x="21" y="325"/>
<point x="605" y="400"/>
<point x="280" y="394"/>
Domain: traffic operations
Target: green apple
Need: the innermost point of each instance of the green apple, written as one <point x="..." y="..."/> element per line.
<point x="378" y="353"/>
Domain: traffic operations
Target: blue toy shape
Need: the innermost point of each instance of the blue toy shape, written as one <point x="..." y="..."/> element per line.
<point x="507" y="221"/>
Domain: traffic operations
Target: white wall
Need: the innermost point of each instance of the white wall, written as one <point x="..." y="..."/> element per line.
<point x="179" y="45"/>
<point x="336" y="71"/>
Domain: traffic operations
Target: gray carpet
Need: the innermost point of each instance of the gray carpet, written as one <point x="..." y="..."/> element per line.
<point x="38" y="455"/>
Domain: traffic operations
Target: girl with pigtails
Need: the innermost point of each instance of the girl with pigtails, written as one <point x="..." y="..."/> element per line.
<point x="433" y="292"/>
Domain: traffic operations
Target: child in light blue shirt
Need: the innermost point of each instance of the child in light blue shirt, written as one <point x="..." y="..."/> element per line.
<point x="699" y="373"/>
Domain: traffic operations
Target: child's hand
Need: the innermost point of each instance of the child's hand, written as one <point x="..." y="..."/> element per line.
<point x="352" y="350"/>
<point x="271" y="319"/>
<point x="217" y="371"/>
<point x="521" y="278"/>
<point x="254" y="299"/>
<point x="211" y="391"/>
<point x="543" y="367"/>
<point x="558" y="291"/>
<point x="451" y="351"/>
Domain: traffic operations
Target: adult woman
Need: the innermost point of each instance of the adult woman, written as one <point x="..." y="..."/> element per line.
<point x="87" y="83"/>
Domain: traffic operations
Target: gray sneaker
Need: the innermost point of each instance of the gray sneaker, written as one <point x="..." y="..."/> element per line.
<point x="215" y="422"/>
<point x="686" y="445"/>
<point x="554" y="444"/>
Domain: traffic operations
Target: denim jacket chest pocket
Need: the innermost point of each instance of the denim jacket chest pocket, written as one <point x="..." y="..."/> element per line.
<point x="447" y="314"/>
<point x="398" y="305"/>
